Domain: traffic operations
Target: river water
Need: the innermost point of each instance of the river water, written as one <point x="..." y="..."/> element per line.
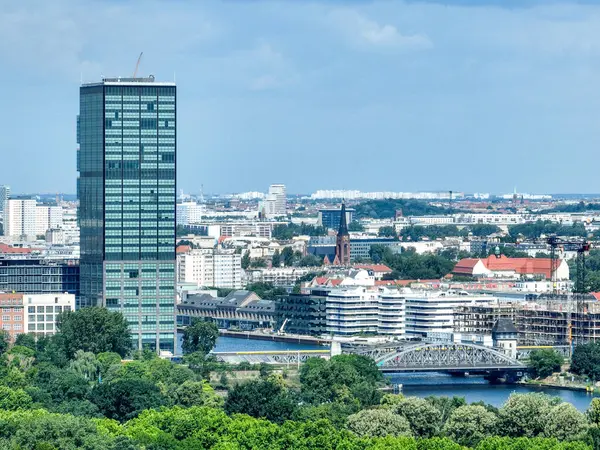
<point x="473" y="388"/>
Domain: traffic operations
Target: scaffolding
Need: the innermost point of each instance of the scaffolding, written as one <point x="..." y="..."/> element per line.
<point x="479" y="319"/>
<point x="559" y="320"/>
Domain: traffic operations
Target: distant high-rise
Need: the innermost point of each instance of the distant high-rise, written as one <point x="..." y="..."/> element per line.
<point x="4" y="196"/>
<point x="278" y="194"/>
<point x="126" y="188"/>
<point x="20" y="218"/>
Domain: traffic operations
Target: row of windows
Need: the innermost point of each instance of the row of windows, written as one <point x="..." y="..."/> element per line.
<point x="166" y="181"/>
<point x="15" y="327"/>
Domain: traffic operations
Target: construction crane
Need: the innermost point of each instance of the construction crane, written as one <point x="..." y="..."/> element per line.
<point x="581" y="246"/>
<point x="137" y="65"/>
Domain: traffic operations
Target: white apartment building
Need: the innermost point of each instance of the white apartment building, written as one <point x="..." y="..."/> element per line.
<point x="433" y="312"/>
<point x="47" y="217"/>
<point x="278" y="276"/>
<point x="210" y="267"/>
<point x="189" y="213"/>
<point x="43" y="309"/>
<point x="358" y="310"/>
<point x="278" y="191"/>
<point x="4" y="196"/>
<point x="20" y="218"/>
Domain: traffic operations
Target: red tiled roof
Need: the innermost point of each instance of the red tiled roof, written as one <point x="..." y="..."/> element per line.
<point x="335" y="282"/>
<point x="374" y="267"/>
<point x="596" y="295"/>
<point x="465" y="266"/>
<point x="536" y="266"/>
<point x="183" y="249"/>
<point x="8" y="249"/>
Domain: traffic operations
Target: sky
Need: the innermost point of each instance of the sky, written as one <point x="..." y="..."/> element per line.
<point x="462" y="95"/>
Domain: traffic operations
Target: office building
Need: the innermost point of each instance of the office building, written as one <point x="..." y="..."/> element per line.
<point x="189" y="213"/>
<point x="34" y="275"/>
<point x="304" y="313"/>
<point x="330" y="217"/>
<point x="20" y="218"/>
<point x="360" y="247"/>
<point x="4" y="196"/>
<point x="126" y="189"/>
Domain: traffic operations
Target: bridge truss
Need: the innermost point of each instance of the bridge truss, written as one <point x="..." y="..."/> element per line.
<point x="444" y="357"/>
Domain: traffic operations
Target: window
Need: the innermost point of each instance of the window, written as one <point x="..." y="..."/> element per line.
<point x="17" y="318"/>
<point x="5" y="318"/>
<point x="40" y="309"/>
<point x="17" y="327"/>
<point x="40" y="326"/>
<point x="58" y="309"/>
<point x="49" y="309"/>
<point x="31" y="309"/>
<point x="40" y="318"/>
<point x="31" y="327"/>
<point x="49" y="318"/>
<point x="32" y="317"/>
<point x="7" y="327"/>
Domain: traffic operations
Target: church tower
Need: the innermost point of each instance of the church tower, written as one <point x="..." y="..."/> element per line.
<point x="342" y="245"/>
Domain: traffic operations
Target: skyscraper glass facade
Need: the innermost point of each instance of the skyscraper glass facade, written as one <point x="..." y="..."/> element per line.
<point x="126" y="189"/>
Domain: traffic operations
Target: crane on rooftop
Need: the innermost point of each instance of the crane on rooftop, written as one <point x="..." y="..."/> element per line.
<point x="137" y="65"/>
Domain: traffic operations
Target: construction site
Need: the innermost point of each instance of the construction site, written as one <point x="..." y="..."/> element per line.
<point x="559" y="318"/>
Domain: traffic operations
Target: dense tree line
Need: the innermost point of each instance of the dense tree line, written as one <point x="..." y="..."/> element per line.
<point x="287" y="232"/>
<point x="386" y="209"/>
<point x="409" y="265"/>
<point x="534" y="230"/>
<point x="592" y="266"/>
<point x="575" y="208"/>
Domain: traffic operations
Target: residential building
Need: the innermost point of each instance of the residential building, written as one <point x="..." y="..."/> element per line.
<point x="126" y="189"/>
<point x="359" y="310"/>
<point x="20" y="218"/>
<point x="278" y="192"/>
<point x="304" y="313"/>
<point x="243" y="310"/>
<point x="32" y="313"/>
<point x="330" y="217"/>
<point x="279" y="276"/>
<point x="55" y="236"/>
<point x="210" y="267"/>
<point x="433" y="312"/>
<point x="43" y="309"/>
<point x="514" y="268"/>
<point x="189" y="213"/>
<point x="379" y="270"/>
<point x="47" y="217"/>
<point x="35" y="275"/>
<point x="4" y="196"/>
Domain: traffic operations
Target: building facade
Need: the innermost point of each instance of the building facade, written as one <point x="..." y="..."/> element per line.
<point x="330" y="217"/>
<point x="210" y="268"/>
<point x="305" y="313"/>
<point x="126" y="189"/>
<point x="32" y="313"/>
<point x="47" y="217"/>
<point x="20" y="218"/>
<point x="360" y="247"/>
<point x="39" y="276"/>
<point x="4" y="196"/>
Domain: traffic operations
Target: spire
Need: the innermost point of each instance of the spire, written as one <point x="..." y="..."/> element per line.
<point x="343" y="229"/>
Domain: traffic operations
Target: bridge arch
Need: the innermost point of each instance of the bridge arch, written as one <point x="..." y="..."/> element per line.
<point x="446" y="357"/>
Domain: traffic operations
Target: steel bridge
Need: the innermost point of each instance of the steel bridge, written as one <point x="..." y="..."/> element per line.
<point x="271" y="357"/>
<point x="458" y="358"/>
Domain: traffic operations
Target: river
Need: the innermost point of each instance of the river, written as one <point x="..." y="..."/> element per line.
<point x="473" y="388"/>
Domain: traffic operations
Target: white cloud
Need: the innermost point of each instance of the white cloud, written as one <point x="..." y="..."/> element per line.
<point x="367" y="33"/>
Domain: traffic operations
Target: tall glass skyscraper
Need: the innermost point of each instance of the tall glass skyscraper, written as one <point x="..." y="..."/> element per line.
<point x="126" y="132"/>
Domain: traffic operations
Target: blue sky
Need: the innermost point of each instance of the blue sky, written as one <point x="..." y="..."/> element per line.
<point x="478" y="95"/>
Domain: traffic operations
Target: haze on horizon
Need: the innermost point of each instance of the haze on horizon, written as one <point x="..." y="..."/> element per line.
<point x="370" y="95"/>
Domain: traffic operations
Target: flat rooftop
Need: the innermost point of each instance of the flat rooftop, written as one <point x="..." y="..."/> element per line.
<point x="128" y="81"/>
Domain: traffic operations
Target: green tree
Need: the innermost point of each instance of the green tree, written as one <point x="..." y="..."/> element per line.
<point x="310" y="261"/>
<point x="13" y="399"/>
<point x="355" y="226"/>
<point x="276" y="259"/>
<point x="124" y="399"/>
<point x="86" y="365"/>
<point x="565" y="423"/>
<point x="26" y="340"/>
<point x="468" y="425"/>
<point x="93" y="330"/>
<point x="446" y="405"/>
<point x="262" y="399"/>
<point x="195" y="393"/>
<point x="526" y="414"/>
<point x="4" y="341"/>
<point x="378" y="423"/>
<point x="200" y="336"/>
<point x="287" y="256"/>
<point x="586" y="360"/>
<point x="424" y="418"/>
<point x="545" y="362"/>
<point x="387" y="231"/>
<point x="246" y="260"/>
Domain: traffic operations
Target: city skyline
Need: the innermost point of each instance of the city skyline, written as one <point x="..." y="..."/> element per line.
<point x="511" y="87"/>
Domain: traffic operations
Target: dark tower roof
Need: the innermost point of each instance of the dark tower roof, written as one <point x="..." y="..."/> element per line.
<point x="343" y="229"/>
<point x="504" y="325"/>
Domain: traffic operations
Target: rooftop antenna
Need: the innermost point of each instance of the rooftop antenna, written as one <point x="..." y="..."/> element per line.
<point x="137" y="65"/>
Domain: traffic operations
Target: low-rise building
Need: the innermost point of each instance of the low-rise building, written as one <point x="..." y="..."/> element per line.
<point x="243" y="310"/>
<point x="33" y="313"/>
<point x="514" y="268"/>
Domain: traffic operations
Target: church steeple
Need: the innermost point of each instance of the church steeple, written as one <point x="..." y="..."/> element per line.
<point x="342" y="244"/>
<point x="343" y="228"/>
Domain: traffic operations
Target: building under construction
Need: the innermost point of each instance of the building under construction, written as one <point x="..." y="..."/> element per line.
<point x="550" y="320"/>
<point x="559" y="320"/>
